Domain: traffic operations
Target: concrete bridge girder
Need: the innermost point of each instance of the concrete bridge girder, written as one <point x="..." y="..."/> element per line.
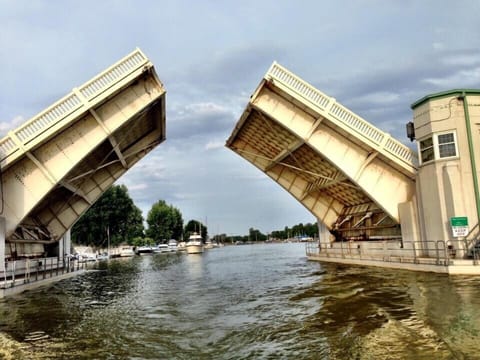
<point x="357" y="162"/>
<point x="310" y="179"/>
<point x="327" y="207"/>
<point x="52" y="178"/>
<point x="57" y="159"/>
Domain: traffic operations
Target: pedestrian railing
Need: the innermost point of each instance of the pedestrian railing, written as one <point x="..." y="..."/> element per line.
<point x="435" y="252"/>
<point x="19" y="272"/>
<point x="344" y="118"/>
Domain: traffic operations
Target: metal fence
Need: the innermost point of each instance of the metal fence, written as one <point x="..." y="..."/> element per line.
<point x="435" y="252"/>
<point x="19" y="272"/>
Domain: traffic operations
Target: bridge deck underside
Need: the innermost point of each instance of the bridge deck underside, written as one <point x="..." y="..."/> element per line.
<point x="347" y="184"/>
<point x="318" y="184"/>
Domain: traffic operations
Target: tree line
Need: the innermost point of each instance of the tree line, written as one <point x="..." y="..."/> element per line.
<point x="295" y="232"/>
<point x="114" y="218"/>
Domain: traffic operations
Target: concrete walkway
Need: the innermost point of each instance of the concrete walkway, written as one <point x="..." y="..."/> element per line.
<point x="450" y="266"/>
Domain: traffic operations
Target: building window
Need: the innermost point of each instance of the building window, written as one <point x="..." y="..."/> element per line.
<point x="439" y="146"/>
<point x="426" y="150"/>
<point x="446" y="145"/>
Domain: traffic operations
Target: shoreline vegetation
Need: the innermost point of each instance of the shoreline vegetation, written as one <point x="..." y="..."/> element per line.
<point x="115" y="220"/>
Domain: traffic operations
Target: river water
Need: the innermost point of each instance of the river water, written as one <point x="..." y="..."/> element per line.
<point x="244" y="302"/>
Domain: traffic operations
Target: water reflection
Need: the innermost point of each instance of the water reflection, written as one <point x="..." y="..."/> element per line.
<point x="194" y="266"/>
<point x="244" y="302"/>
<point x="376" y="313"/>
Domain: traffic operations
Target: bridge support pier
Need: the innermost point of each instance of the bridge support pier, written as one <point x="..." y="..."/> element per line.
<point x="323" y="234"/>
<point x="64" y="245"/>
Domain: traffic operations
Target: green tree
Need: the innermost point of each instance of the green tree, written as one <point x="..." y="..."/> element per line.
<point x="297" y="230"/>
<point x="164" y="222"/>
<point x="196" y="226"/>
<point x="308" y="229"/>
<point x="256" y="235"/>
<point x="114" y="216"/>
<point x="311" y="230"/>
<point x="135" y="226"/>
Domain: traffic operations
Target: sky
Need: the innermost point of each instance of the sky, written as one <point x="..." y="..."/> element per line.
<point x="376" y="57"/>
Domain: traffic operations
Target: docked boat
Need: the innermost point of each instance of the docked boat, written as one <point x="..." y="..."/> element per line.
<point x="85" y="257"/>
<point x="194" y="244"/>
<point x="209" y="244"/>
<point x="126" y="251"/>
<point x="85" y="253"/>
<point x="172" y="245"/>
<point x="161" y="248"/>
<point x="143" y="250"/>
<point x="104" y="256"/>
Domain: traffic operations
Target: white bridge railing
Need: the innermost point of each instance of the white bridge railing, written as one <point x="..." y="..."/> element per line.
<point x="346" y="118"/>
<point x="71" y="103"/>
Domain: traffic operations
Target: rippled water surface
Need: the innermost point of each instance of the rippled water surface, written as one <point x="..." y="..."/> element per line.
<point x="244" y="302"/>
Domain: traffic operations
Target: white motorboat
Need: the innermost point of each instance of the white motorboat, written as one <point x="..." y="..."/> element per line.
<point x="194" y="244"/>
<point x="126" y="251"/>
<point x="172" y="245"/>
<point x="87" y="257"/>
<point x="142" y="250"/>
<point x="85" y="253"/>
<point x="208" y="244"/>
<point x="103" y="256"/>
<point x="160" y="248"/>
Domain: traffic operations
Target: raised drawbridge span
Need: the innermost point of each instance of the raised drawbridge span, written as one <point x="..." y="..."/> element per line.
<point x="348" y="173"/>
<point x="57" y="164"/>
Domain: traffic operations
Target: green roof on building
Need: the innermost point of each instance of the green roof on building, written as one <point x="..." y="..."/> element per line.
<point x="445" y="94"/>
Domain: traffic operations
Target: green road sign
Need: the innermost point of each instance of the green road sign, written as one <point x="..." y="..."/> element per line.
<point x="459" y="226"/>
<point x="459" y="221"/>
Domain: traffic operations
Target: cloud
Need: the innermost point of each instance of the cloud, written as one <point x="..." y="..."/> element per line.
<point x="464" y="58"/>
<point x="138" y="187"/>
<point x="215" y="144"/>
<point x="377" y="97"/>
<point x="229" y="72"/>
<point x="192" y="120"/>
<point x="466" y="77"/>
<point x="6" y="126"/>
